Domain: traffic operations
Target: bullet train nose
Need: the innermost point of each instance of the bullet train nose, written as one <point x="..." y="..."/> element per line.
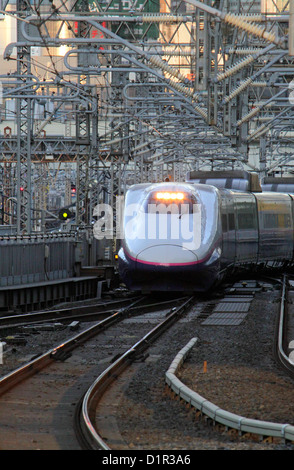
<point x="167" y="255"/>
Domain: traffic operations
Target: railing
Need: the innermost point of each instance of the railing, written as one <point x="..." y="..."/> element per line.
<point x="217" y="414"/>
<point x="284" y="359"/>
<point x="37" y="258"/>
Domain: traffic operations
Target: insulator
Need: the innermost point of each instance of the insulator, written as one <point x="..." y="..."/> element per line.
<point x="250" y="17"/>
<point x="249" y="116"/>
<point x="251" y="28"/>
<point x="186" y="91"/>
<point x="259" y="84"/>
<point x="257" y="132"/>
<point x="182" y="89"/>
<point x="237" y="91"/>
<point x="201" y="112"/>
<point x="167" y="68"/>
<point x="147" y="18"/>
<point x="244" y="50"/>
<point x="232" y="70"/>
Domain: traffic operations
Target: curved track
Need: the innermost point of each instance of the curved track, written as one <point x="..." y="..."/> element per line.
<point x="134" y="411"/>
<point x="39" y="398"/>
<point x="88" y="409"/>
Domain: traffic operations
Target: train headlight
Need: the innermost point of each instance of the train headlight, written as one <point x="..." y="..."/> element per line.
<point x="169" y="196"/>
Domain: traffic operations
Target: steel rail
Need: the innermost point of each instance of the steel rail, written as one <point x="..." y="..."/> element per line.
<point x="82" y="313"/>
<point x="86" y="425"/>
<point x="62" y="350"/>
<point x="62" y="313"/>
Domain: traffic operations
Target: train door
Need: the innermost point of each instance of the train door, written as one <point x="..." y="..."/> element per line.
<point x="228" y="229"/>
<point x="246" y="228"/>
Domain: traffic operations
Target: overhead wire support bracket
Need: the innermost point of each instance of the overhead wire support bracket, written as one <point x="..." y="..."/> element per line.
<point x="240" y="22"/>
<point x="154" y="60"/>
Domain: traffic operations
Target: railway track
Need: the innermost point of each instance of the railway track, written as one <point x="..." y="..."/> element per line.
<point x="66" y="313"/>
<point x="135" y="411"/>
<point x="88" y="429"/>
<point x="124" y="412"/>
<point x="50" y="384"/>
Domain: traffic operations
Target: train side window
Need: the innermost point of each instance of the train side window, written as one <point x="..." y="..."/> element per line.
<point x="245" y="221"/>
<point x="270" y="220"/>
<point x="224" y="222"/>
<point x="231" y="221"/>
<point x="287" y="221"/>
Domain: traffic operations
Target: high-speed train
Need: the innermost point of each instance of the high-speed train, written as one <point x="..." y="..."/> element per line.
<point x="188" y="236"/>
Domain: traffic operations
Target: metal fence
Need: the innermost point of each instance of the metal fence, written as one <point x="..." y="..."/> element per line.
<point x="25" y="260"/>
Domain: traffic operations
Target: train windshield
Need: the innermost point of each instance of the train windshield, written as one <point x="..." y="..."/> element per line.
<point x="170" y="202"/>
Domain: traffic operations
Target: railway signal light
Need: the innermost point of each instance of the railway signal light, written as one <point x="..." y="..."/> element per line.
<point x="65" y="214"/>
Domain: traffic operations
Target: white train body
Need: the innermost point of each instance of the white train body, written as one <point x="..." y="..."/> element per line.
<point x="187" y="236"/>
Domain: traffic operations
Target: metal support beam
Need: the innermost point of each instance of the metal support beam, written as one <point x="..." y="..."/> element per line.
<point x="291" y="28"/>
<point x="24" y="129"/>
<point x="174" y="90"/>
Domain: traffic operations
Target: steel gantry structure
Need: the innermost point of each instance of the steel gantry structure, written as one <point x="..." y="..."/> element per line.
<point x="142" y="90"/>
